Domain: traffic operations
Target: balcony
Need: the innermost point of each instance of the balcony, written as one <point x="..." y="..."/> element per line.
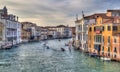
<point x="97" y="43"/>
<point x="98" y="32"/>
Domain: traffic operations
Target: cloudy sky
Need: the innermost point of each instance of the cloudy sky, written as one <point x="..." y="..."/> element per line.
<point x="55" y="12"/>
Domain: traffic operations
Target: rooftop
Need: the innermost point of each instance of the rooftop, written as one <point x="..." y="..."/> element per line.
<point x="118" y="10"/>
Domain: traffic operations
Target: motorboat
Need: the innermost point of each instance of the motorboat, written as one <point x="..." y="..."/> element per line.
<point x="6" y="46"/>
<point x="105" y="58"/>
<point x="62" y="49"/>
<point x="93" y="55"/>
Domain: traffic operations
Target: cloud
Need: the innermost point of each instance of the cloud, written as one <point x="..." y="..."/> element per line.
<point x="55" y="12"/>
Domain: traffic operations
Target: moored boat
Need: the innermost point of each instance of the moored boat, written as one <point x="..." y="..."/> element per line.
<point x="6" y="46"/>
<point x="93" y="55"/>
<point x="62" y="49"/>
<point x="105" y="58"/>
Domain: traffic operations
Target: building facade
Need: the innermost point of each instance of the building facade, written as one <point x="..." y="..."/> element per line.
<point x="30" y="31"/>
<point x="10" y="32"/>
<point x="61" y="31"/>
<point x="103" y="36"/>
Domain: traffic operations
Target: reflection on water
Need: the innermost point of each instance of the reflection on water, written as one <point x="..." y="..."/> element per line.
<point x="33" y="57"/>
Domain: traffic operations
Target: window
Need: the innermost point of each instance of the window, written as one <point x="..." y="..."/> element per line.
<point x="109" y="54"/>
<point x="88" y="20"/>
<point x="94" y="28"/>
<point x="79" y="27"/>
<point x="97" y="38"/>
<point x="108" y="28"/>
<point x="90" y="37"/>
<point x="108" y="39"/>
<point x="90" y="29"/>
<point x="103" y="48"/>
<point x="114" y="40"/>
<point x="115" y="50"/>
<point x="115" y="28"/>
<point x="108" y="49"/>
<point x="102" y="53"/>
<point x="103" y="28"/>
<point x="114" y="56"/>
<point x="103" y="39"/>
<point x="94" y="38"/>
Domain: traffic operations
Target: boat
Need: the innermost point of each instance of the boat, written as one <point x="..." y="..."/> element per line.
<point x="44" y="44"/>
<point x="62" y="49"/>
<point x="59" y="40"/>
<point x="93" y="55"/>
<point x="66" y="44"/>
<point x="47" y="47"/>
<point x="105" y="58"/>
<point x="16" y="45"/>
<point x="6" y="46"/>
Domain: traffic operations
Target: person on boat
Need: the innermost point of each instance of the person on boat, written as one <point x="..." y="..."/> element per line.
<point x="47" y="47"/>
<point x="44" y="44"/>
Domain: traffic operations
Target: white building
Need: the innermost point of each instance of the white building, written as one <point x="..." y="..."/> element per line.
<point x="62" y="31"/>
<point x="67" y="32"/>
<point x="44" y="33"/>
<point x="52" y="34"/>
<point x="11" y="27"/>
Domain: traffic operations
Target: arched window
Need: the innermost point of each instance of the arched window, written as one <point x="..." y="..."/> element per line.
<point x="115" y="40"/>
<point x="108" y="39"/>
<point x="108" y="49"/>
<point x="90" y="29"/>
<point x="115" y="50"/>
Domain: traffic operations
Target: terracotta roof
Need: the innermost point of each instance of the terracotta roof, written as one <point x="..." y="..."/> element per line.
<point x="108" y="21"/>
<point x="95" y="15"/>
<point x="28" y="23"/>
<point x="113" y="10"/>
<point x="61" y="26"/>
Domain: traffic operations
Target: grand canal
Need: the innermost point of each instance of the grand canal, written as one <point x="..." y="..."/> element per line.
<point x="33" y="57"/>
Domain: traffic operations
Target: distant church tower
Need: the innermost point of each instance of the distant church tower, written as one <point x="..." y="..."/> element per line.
<point x="5" y="13"/>
<point x="83" y="14"/>
<point x="76" y="17"/>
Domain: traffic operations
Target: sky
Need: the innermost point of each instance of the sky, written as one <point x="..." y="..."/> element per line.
<point x="56" y="12"/>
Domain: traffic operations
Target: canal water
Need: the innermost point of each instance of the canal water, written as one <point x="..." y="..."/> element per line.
<point x="34" y="57"/>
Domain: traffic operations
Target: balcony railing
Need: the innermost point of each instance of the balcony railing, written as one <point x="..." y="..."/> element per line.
<point x="98" y="31"/>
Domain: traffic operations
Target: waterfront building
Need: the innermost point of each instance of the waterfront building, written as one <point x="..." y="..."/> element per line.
<point x="79" y="33"/>
<point x="44" y="33"/>
<point x="81" y="40"/>
<point x="52" y="34"/>
<point x="103" y="36"/>
<point x="29" y="31"/>
<point x="62" y="31"/>
<point x="10" y="31"/>
<point x="67" y="32"/>
<point x="38" y="32"/>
